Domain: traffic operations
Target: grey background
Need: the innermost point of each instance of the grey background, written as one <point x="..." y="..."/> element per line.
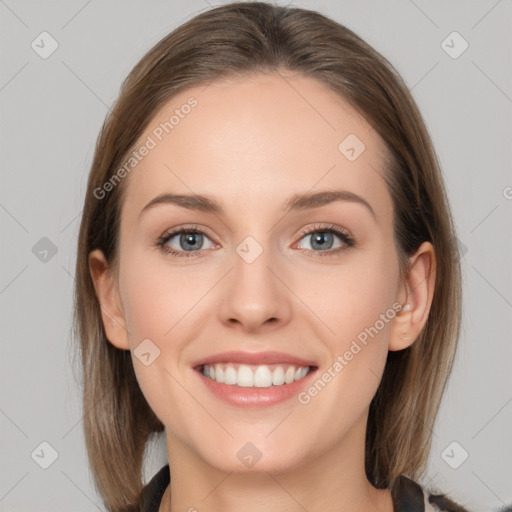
<point x="52" y="110"/>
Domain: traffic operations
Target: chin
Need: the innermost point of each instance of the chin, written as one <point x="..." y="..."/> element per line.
<point x="257" y="456"/>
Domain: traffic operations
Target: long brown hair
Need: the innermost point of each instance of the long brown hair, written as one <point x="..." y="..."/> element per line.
<point x="240" y="39"/>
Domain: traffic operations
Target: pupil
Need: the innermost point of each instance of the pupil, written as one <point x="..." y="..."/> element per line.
<point x="320" y="239"/>
<point x="189" y="239"/>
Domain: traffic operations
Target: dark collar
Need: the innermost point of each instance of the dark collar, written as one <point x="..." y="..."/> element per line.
<point x="406" y="493"/>
<point x="153" y="491"/>
<point x="407" y="496"/>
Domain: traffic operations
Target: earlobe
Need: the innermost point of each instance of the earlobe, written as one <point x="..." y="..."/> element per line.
<point x="417" y="291"/>
<point x="106" y="288"/>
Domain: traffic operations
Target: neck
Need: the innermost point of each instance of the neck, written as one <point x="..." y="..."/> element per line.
<point x="333" y="481"/>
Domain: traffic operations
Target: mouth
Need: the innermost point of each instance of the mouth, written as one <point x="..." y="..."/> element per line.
<point x="254" y="379"/>
<point x="254" y="376"/>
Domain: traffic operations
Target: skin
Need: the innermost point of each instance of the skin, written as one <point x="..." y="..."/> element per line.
<point x="251" y="143"/>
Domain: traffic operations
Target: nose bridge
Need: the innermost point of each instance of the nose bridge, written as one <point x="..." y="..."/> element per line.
<point x="253" y="237"/>
<point x="250" y="248"/>
<point x="254" y="294"/>
<point x="253" y="257"/>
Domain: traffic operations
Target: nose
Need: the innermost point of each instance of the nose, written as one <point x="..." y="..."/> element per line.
<point x="255" y="296"/>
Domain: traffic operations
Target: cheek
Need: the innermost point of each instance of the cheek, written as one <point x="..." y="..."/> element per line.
<point x="351" y="297"/>
<point x="363" y="322"/>
<point x="155" y="303"/>
<point x="356" y="303"/>
<point x="154" y="299"/>
<point x="358" y="308"/>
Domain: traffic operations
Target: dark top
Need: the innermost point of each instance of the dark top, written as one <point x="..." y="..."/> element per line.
<point x="407" y="496"/>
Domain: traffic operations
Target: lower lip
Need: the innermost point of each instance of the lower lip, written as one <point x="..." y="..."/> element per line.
<point x="256" y="397"/>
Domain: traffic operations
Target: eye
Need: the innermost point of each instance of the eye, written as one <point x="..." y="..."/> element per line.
<point x="322" y="239"/>
<point x="190" y="240"/>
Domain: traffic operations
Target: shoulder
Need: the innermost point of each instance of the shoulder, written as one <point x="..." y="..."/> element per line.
<point x="152" y="493"/>
<point x="409" y="495"/>
<point x="441" y="502"/>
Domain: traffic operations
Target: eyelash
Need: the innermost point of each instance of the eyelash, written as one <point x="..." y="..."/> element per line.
<point x="347" y="239"/>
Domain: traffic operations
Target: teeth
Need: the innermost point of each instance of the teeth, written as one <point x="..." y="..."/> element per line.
<point x="245" y="377"/>
<point x="290" y="375"/>
<point x="230" y="376"/>
<point x="262" y="376"/>
<point x="278" y="376"/>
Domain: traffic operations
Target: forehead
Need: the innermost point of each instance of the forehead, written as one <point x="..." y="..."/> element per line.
<point x="255" y="141"/>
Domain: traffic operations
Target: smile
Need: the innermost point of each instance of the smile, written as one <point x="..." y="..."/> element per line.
<point x="254" y="376"/>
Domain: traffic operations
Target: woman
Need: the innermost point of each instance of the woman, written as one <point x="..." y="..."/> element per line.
<point x="265" y="272"/>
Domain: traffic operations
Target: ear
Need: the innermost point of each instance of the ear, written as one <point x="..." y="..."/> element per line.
<point x="417" y="290"/>
<point x="107" y="292"/>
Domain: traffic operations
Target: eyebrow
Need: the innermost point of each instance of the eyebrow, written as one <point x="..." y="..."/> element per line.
<point x="298" y="202"/>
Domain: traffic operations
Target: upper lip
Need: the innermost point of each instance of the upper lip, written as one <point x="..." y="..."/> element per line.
<point x="253" y="358"/>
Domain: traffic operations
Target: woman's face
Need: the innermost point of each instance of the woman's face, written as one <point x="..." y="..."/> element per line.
<point x="253" y="293"/>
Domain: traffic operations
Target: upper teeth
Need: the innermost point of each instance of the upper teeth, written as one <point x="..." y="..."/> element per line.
<point x="262" y="376"/>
